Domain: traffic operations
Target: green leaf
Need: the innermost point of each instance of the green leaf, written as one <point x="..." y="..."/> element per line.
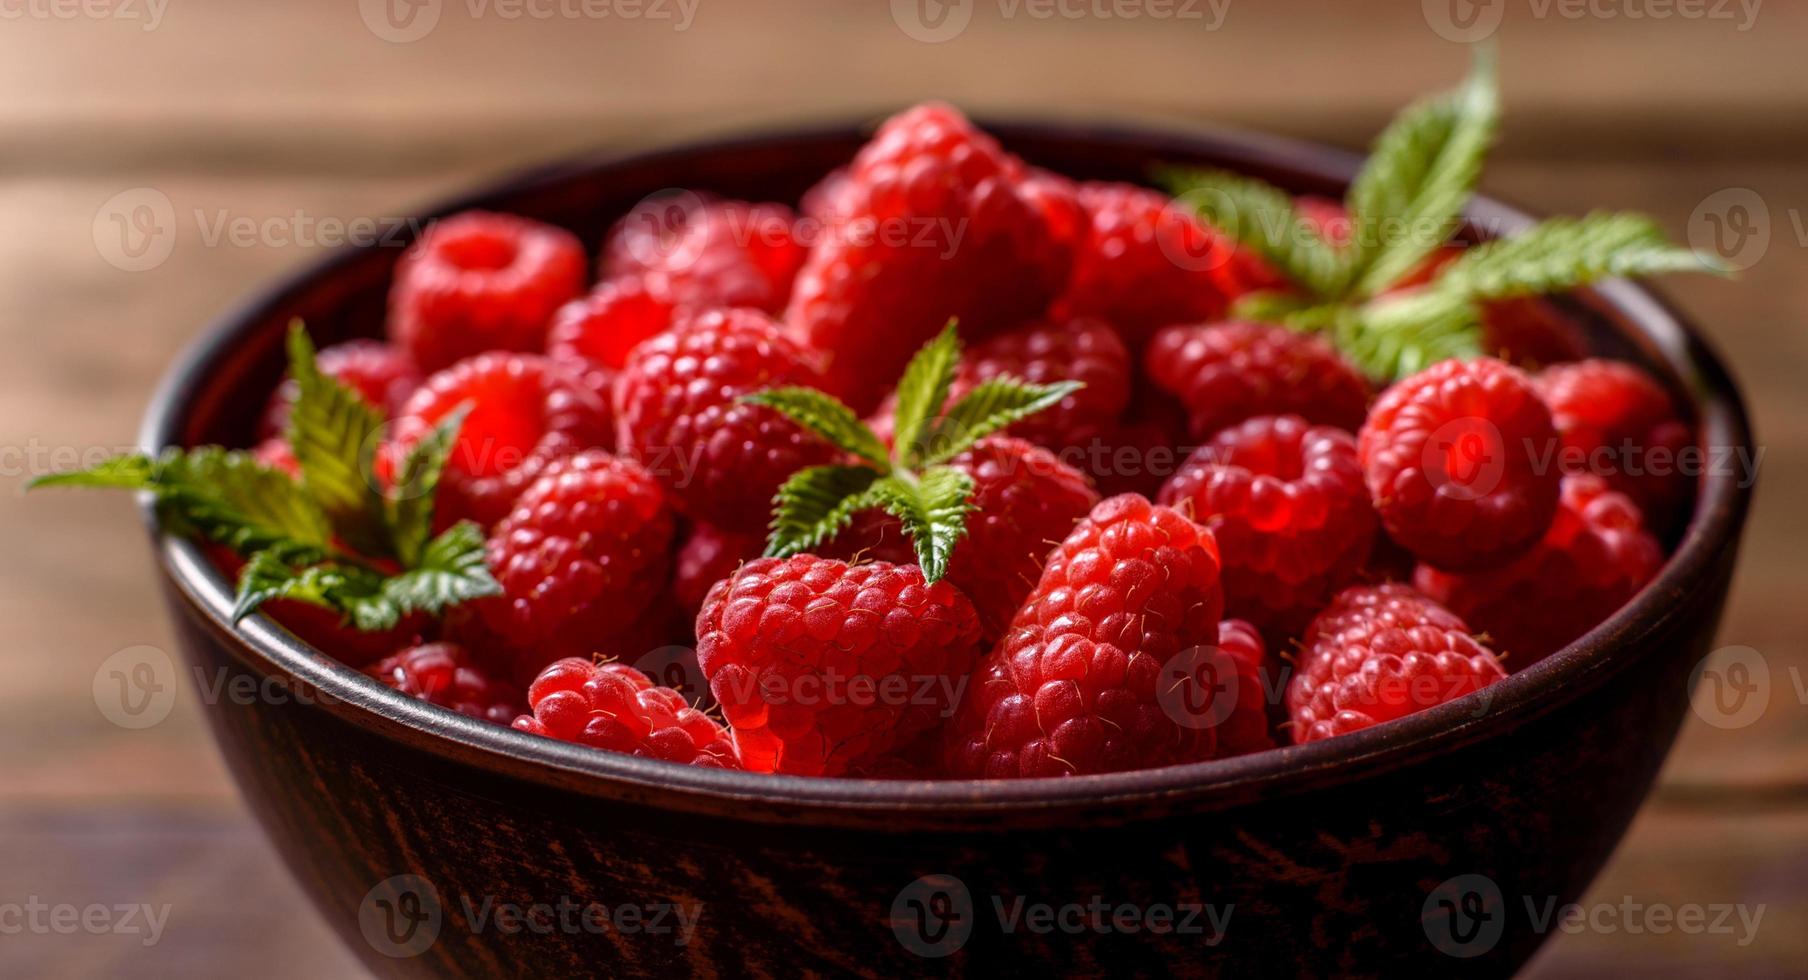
<point x="1401" y="334"/>
<point x="933" y="511"/>
<point x="827" y="417"/>
<point x="991" y="405"/>
<point x="1410" y="195"/>
<point x="409" y="502"/>
<point x="816" y="504"/>
<point x="451" y="571"/>
<point x="1261" y="217"/>
<point x="334" y="433"/>
<point x="1269" y="305"/>
<point x="1563" y="253"/>
<point x="134" y="471"/>
<point x="923" y="390"/>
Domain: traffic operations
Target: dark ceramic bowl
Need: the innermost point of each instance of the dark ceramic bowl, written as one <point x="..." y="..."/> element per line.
<point x="1325" y="858"/>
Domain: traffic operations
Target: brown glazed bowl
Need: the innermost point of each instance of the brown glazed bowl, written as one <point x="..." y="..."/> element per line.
<point x="1331" y="858"/>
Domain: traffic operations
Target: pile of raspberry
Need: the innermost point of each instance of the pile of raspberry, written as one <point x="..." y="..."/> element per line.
<point x="1228" y="540"/>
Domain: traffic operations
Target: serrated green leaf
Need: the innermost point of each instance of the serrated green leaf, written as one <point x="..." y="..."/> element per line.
<point x="1269" y="305"/>
<point x="1564" y="253"/>
<point x="409" y="502"/>
<point x="814" y="505"/>
<point x="1262" y="218"/>
<point x="1398" y="335"/>
<point x="923" y="390"/>
<point x="933" y="510"/>
<point x="351" y="591"/>
<point x="827" y="417"/>
<point x="990" y="406"/>
<point x="133" y="471"/>
<point x="334" y="434"/>
<point x="451" y="571"/>
<point x="1410" y="195"/>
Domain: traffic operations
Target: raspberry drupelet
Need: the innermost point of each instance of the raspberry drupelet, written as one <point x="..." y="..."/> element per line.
<point x="613" y="707"/>
<point x="1227" y="372"/>
<point x="448" y="675"/>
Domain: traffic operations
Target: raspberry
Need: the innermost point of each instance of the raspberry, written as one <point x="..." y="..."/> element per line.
<point x="478" y="282"/>
<point x="585" y="549"/>
<point x="379" y="372"/>
<point x="1077" y="685"/>
<point x="591" y="336"/>
<point x="525" y="412"/>
<point x="1245" y="729"/>
<point x="447" y="675"/>
<point x="1378" y="653"/>
<point x="614" y="707"/>
<point x="700" y="253"/>
<point x="821" y="666"/>
<point x="1147" y="262"/>
<point x="1228" y="372"/>
<point x="1603" y="409"/>
<point x="1451" y="458"/>
<point x="1327" y="217"/>
<point x="708" y="556"/>
<point x="1285" y="501"/>
<point x="1596" y="555"/>
<point x="678" y="411"/>
<point x="930" y="223"/>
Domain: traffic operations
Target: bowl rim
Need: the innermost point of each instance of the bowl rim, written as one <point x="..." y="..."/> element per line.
<point x="1609" y="649"/>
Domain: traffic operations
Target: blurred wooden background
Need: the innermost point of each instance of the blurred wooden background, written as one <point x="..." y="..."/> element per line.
<point x="272" y="111"/>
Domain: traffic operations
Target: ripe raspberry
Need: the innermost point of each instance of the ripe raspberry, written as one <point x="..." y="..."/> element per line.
<point x="1077" y="685"/>
<point x="1285" y="501"/>
<point x="821" y="666"/>
<point x="591" y="336"/>
<point x="931" y="223"/>
<point x="1245" y="728"/>
<point x="381" y="373"/>
<point x="1617" y="422"/>
<point x="1378" y="653"/>
<point x="525" y="412"/>
<point x="614" y="707"/>
<point x="678" y="411"/>
<point x="479" y="282"/>
<point x="1451" y="457"/>
<point x="447" y="675"/>
<point x="1596" y="555"/>
<point x="699" y="253"/>
<point x="585" y="549"/>
<point x="1227" y="372"/>
<point x="1147" y="262"/>
<point x="709" y="555"/>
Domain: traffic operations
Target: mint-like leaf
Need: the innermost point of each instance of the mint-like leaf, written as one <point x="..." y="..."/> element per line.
<point x="409" y="504"/>
<point x="451" y="571"/>
<point x="933" y="511"/>
<point x="334" y="433"/>
<point x="826" y="417"/>
<point x="922" y="391"/>
<point x="1563" y="253"/>
<point x="990" y="406"/>
<point x="815" y="505"/>
<point x="350" y="590"/>
<point x="1399" y="335"/>
<point x="1261" y="218"/>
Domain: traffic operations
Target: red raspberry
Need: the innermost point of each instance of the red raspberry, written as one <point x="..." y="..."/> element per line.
<point x="614" y="707"/>
<point x="1617" y="422"/>
<point x="1285" y="501"/>
<point x="479" y="282"/>
<point x="525" y="412"/>
<point x="1227" y="372"/>
<point x="1451" y="457"/>
<point x="447" y="675"/>
<point x="821" y="666"/>
<point x="381" y="373"/>
<point x="585" y="550"/>
<point x="1077" y="685"/>
<point x="1245" y="728"/>
<point x="931" y="223"/>
<point x="1148" y="262"/>
<point x="1378" y="653"/>
<point x="591" y="336"/>
<point x="708" y="556"/>
<point x="1326" y="216"/>
<point x="701" y="253"/>
<point x="1596" y="555"/>
<point x="678" y="411"/>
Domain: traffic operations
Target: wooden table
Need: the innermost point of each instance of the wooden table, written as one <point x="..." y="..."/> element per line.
<point x="279" y="115"/>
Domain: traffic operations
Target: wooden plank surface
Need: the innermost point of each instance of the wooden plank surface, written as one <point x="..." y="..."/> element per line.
<point x="267" y="111"/>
